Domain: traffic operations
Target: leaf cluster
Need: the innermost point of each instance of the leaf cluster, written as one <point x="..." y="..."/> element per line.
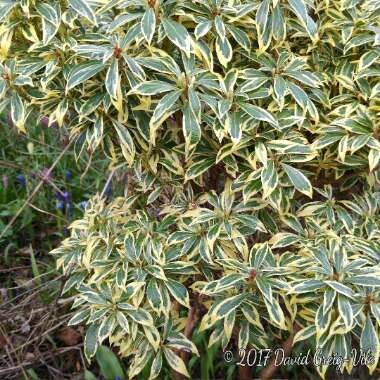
<point x="250" y="133"/>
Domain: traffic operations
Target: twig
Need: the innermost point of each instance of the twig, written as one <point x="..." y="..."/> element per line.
<point x="6" y="270"/>
<point x="193" y="317"/>
<point x="63" y="283"/>
<point x="268" y="372"/>
<point x="59" y="351"/>
<point x="43" y="334"/>
<point x="35" y="191"/>
<point x="191" y="323"/>
<point x="39" y="175"/>
<point x="64" y="301"/>
<point x="46" y="212"/>
<point x="9" y="342"/>
<point x="39" y="287"/>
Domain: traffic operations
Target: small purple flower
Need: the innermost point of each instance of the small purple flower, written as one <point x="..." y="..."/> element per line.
<point x="68" y="175"/>
<point x="62" y="196"/>
<point x="46" y="175"/>
<point x="45" y="122"/>
<point x="57" y="195"/>
<point x="60" y="205"/>
<point x="117" y="378"/>
<point x="21" y="180"/>
<point x="66" y="196"/>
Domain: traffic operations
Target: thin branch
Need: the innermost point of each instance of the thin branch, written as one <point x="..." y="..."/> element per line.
<point x="269" y="371"/>
<point x="9" y="342"/>
<point x="192" y="320"/>
<point x="47" y="212"/>
<point x="14" y="369"/>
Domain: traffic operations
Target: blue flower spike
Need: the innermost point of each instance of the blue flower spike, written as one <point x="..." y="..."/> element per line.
<point x="108" y="191"/>
<point x="68" y="175"/>
<point x="66" y="196"/>
<point x="21" y="180"/>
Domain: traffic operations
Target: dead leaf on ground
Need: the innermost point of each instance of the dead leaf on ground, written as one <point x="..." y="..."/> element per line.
<point x="29" y="356"/>
<point x="69" y="336"/>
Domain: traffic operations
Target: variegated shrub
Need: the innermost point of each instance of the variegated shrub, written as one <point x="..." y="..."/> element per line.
<point x="250" y="134"/>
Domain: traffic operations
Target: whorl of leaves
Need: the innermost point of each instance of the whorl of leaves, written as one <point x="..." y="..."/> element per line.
<point x="250" y="132"/>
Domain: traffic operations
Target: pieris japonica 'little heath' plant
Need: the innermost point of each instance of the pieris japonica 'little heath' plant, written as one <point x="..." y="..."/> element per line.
<point x="250" y="134"/>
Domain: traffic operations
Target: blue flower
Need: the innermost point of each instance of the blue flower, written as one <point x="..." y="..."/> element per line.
<point x="60" y="205"/>
<point x="117" y="378"/>
<point x="45" y="122"/>
<point x="82" y="205"/>
<point x="68" y="175"/>
<point x="108" y="190"/>
<point x="66" y="196"/>
<point x="21" y="180"/>
<point x="62" y="196"/>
